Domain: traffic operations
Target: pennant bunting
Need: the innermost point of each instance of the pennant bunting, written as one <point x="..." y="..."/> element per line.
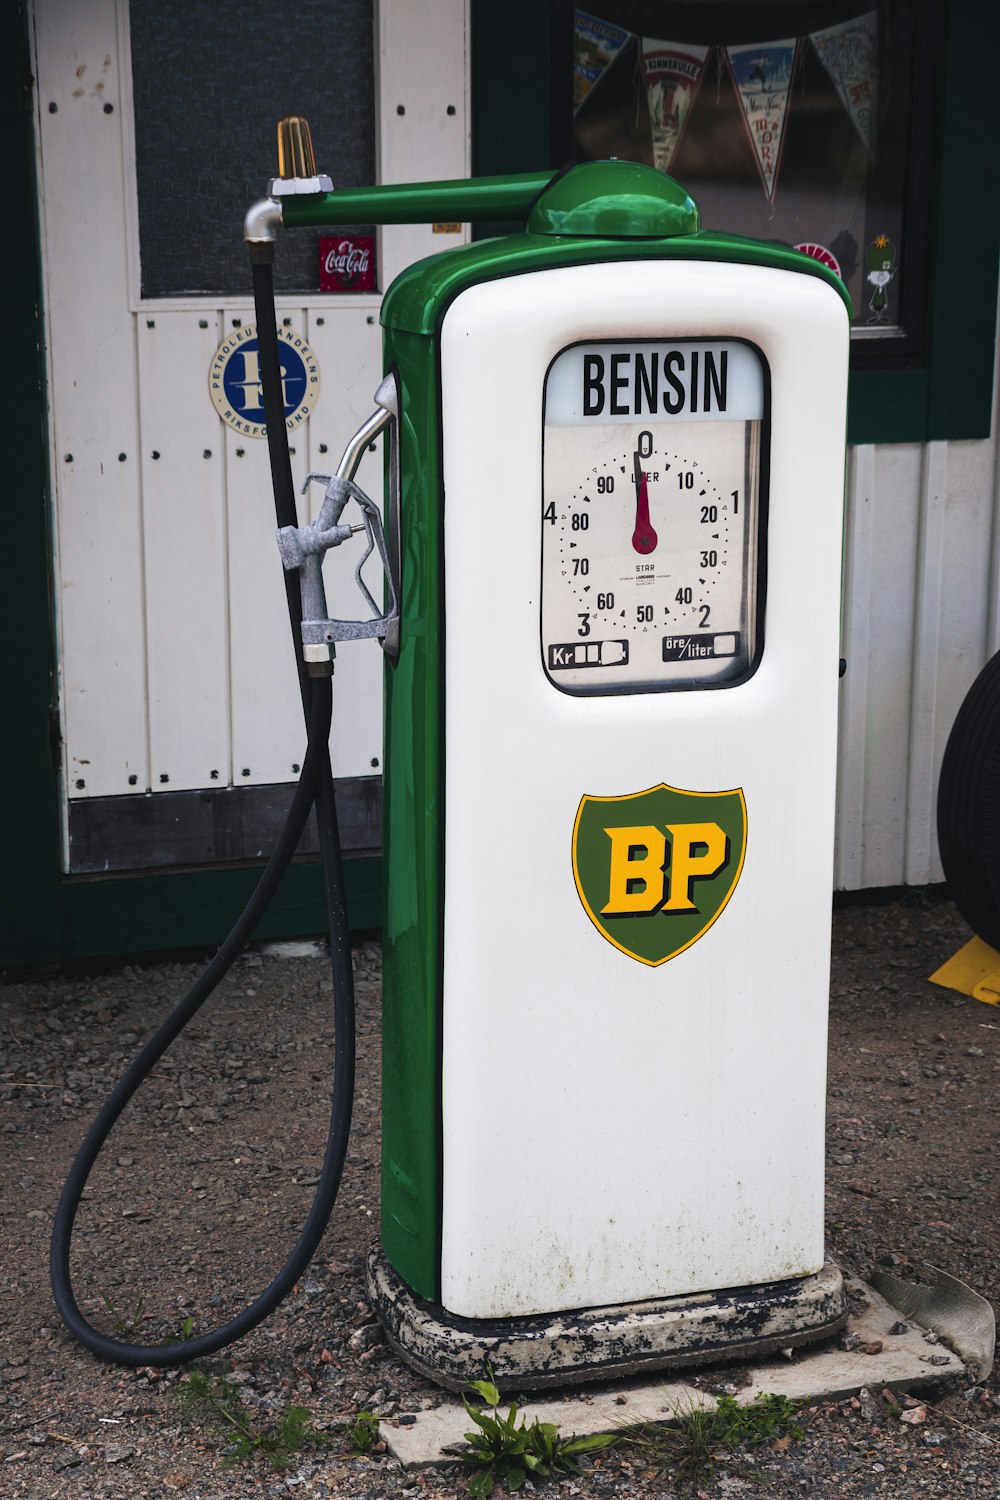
<point x="596" y="44"/>
<point x="762" y="74"/>
<point x="673" y="73"/>
<point x="849" y="53"/>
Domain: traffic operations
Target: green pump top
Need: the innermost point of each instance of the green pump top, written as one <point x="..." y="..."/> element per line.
<point x="614" y="200"/>
<point x="611" y="210"/>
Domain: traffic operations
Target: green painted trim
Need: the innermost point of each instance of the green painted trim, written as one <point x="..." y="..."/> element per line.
<point x="417" y="297"/>
<point x="28" y="773"/>
<point x="511" y="115"/>
<point x="949" y="394"/>
<point x="160" y="913"/>
<point x="966" y="219"/>
<point x="886" y="406"/>
<point x="413" y="833"/>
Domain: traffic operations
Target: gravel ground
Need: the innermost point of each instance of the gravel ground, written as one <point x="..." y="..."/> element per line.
<point x="206" y="1178"/>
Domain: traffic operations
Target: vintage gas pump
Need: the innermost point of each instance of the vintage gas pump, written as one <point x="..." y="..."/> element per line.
<point x="612" y="552"/>
<point x="614" y="535"/>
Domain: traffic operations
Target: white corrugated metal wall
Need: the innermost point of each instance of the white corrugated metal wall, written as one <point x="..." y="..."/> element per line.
<point x="921" y="617"/>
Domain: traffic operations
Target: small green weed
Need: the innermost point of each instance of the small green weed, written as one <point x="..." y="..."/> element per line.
<point x="701" y="1437"/>
<point x="764" y="1420"/>
<point x="362" y="1434"/>
<point x="503" y="1450"/>
<point x="187" y="1332"/>
<point x="220" y="1400"/>
<point x="125" y="1323"/>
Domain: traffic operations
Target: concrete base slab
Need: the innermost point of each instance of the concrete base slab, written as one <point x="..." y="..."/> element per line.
<point x="597" y="1343"/>
<point x="948" y="1307"/>
<point x="875" y="1357"/>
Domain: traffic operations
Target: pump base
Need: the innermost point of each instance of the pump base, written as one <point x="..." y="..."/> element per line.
<point x="595" y="1344"/>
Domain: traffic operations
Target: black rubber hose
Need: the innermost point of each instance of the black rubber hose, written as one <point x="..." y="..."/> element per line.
<point x="277" y="435"/>
<point x="315" y="787"/>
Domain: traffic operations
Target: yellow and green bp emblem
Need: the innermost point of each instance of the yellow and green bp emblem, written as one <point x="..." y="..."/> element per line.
<point x="655" y="869"/>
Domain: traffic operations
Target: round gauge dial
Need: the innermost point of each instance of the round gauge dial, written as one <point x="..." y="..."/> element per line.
<point x="644" y="542"/>
<point x="649" y="521"/>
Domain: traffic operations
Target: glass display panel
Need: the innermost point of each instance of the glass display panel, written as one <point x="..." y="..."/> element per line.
<point x="651" y="509"/>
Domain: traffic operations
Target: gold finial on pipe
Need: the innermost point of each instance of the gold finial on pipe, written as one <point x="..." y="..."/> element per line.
<point x="296" y="157"/>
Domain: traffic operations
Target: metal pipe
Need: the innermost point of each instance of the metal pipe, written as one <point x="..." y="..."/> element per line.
<point x="263" y="220"/>
<point x="478" y="198"/>
<point x="355" y="450"/>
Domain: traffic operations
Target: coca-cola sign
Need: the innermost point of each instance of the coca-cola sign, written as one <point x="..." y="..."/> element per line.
<point x="347" y="264"/>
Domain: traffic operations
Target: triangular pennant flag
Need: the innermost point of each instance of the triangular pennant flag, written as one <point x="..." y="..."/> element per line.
<point x="596" y="44"/>
<point x="673" y="72"/>
<point x="849" y="53"/>
<point x="763" y="78"/>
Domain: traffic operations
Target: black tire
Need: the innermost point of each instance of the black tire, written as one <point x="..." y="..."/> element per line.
<point x="968" y="808"/>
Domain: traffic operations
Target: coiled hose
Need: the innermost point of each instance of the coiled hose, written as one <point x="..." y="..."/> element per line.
<point x="314" y="789"/>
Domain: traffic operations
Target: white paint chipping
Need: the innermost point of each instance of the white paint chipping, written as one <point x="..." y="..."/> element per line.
<point x="812" y="1375"/>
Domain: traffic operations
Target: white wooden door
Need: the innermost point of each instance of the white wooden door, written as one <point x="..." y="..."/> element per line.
<point x="174" y="651"/>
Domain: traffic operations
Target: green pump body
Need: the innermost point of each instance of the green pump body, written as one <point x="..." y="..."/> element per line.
<point x="541" y="744"/>
<point x="596" y="212"/>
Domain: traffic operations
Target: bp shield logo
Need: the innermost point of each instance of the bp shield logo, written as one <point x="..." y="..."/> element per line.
<point x="654" y="869"/>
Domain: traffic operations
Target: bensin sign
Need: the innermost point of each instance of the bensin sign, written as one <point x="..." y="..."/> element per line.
<point x="654" y="869"/>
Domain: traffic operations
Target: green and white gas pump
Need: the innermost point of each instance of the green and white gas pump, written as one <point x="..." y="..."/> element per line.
<point x="612" y="546"/>
<point x="615" y="536"/>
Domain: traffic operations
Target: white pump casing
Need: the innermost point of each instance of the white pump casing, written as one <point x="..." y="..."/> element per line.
<point x="612" y="1131"/>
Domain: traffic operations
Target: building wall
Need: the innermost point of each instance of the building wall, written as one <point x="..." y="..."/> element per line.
<point x="172" y="639"/>
<point x="921" y="547"/>
<point x="172" y="644"/>
<point x="921" y="617"/>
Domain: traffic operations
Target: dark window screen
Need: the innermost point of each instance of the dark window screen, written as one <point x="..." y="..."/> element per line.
<point x="210" y="84"/>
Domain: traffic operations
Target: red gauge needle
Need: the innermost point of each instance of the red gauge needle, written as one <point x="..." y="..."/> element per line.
<point x="643" y="537"/>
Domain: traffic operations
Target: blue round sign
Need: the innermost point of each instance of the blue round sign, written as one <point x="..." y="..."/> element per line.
<point x="234" y="380"/>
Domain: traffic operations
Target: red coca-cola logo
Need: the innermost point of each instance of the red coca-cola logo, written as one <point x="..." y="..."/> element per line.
<point x="347" y="264"/>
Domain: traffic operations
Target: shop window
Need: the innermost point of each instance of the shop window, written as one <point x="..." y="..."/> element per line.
<point x="807" y="123"/>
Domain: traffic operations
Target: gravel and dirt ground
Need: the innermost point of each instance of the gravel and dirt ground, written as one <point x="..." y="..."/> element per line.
<point x="207" y="1176"/>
